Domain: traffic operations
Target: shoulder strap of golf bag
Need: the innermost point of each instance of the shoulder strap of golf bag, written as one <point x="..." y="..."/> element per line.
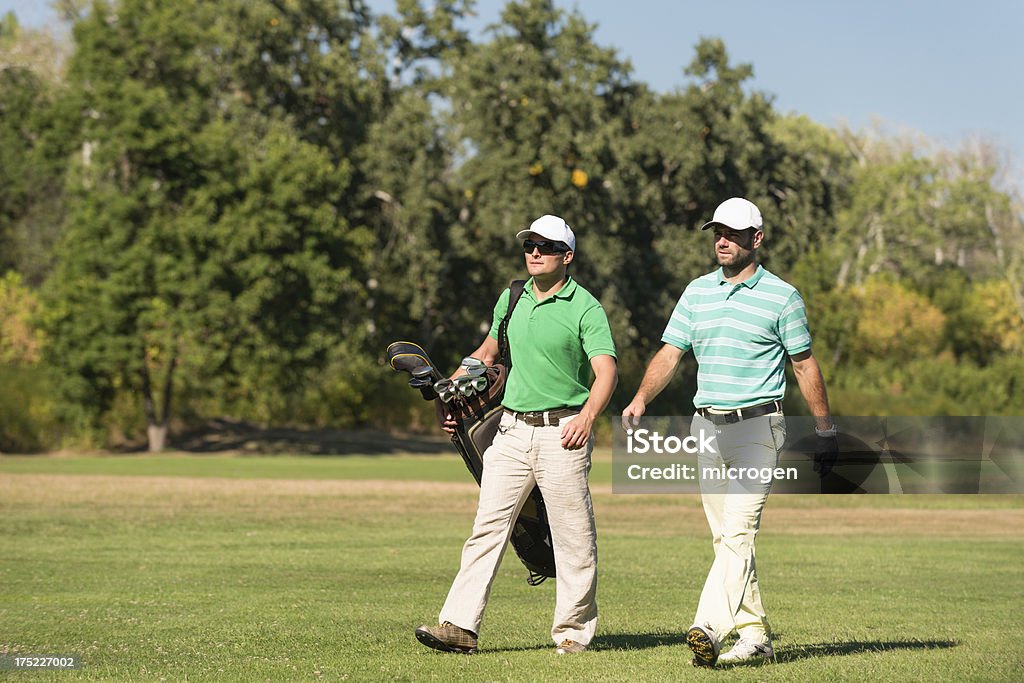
<point x="504" y="352"/>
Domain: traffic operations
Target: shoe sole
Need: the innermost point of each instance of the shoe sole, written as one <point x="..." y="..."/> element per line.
<point x="702" y="646"/>
<point x="753" y="660"/>
<point x="435" y="643"/>
<point x="757" y="660"/>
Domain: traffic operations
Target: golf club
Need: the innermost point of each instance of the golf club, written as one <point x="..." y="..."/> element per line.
<point x="473" y="367"/>
<point x="445" y="390"/>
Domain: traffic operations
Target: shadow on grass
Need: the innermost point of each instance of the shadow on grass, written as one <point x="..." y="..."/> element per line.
<point x="611" y="641"/>
<point x="223" y="435"/>
<point x="635" y="641"/>
<point x="796" y="652"/>
<point x="783" y="654"/>
<point x="525" y="648"/>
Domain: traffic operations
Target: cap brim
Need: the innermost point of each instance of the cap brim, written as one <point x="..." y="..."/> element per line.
<point x="521" y="235"/>
<point x="711" y="224"/>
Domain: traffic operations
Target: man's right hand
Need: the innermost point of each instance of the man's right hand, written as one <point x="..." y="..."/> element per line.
<point x="445" y="419"/>
<point x="631" y="415"/>
<point x="449" y="424"/>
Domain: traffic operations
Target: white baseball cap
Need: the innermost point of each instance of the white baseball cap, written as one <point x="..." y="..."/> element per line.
<point x="736" y="213"/>
<point x="551" y="227"/>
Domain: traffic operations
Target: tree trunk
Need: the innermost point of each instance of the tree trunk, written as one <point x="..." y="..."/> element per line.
<point x="156" y="425"/>
<point x="149" y="407"/>
<point x="157" y="435"/>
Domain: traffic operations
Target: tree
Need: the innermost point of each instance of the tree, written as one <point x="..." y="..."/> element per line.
<point x="984" y="323"/>
<point x="913" y="210"/>
<point x="34" y="139"/>
<point x="537" y="111"/>
<point x="35" y="50"/>
<point x="27" y="420"/>
<point x="406" y="164"/>
<point x="894" y="323"/>
<point x="20" y="339"/>
<point x="205" y="240"/>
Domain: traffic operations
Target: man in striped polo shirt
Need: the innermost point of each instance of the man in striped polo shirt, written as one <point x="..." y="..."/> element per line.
<point x="741" y="322"/>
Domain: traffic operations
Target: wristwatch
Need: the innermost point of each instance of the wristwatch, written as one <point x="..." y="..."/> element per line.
<point x="826" y="433"/>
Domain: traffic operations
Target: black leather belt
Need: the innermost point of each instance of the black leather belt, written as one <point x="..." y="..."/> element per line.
<point x="544" y="418"/>
<point x="741" y="413"/>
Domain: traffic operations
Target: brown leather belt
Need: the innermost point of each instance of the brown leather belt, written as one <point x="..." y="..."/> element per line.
<point x="741" y="413"/>
<point x="544" y="418"/>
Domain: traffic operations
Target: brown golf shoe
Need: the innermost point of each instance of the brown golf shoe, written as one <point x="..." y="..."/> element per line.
<point x="570" y="647"/>
<point x="447" y="637"/>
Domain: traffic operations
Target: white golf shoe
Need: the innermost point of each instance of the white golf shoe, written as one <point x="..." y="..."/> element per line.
<point x="748" y="651"/>
<point x="704" y="644"/>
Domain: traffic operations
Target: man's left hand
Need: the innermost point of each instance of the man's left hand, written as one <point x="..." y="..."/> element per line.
<point x="826" y="454"/>
<point x="576" y="432"/>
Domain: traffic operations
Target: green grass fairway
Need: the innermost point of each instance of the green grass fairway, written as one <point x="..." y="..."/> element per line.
<point x="291" y="568"/>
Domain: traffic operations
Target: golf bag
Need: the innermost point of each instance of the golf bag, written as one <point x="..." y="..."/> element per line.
<point x="477" y="416"/>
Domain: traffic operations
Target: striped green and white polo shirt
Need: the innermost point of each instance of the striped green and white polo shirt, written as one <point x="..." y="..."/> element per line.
<point x="740" y="335"/>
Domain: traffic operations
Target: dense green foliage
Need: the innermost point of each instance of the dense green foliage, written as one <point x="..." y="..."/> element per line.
<point x="230" y="208"/>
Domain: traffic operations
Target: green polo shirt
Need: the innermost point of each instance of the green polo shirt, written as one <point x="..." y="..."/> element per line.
<point x="552" y="342"/>
<point x="741" y="335"/>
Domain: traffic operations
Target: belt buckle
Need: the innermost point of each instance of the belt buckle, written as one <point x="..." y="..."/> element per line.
<point x="732" y="418"/>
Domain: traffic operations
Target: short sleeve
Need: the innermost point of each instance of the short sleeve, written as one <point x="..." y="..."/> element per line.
<point x="596" y="333"/>
<point x="679" y="331"/>
<point x="794" y="330"/>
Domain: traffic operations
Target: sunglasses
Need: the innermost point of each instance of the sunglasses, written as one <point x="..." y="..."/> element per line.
<point x="545" y="247"/>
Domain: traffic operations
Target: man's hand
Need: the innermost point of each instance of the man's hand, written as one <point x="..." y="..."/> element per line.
<point x="487" y="353"/>
<point x="449" y="424"/>
<point x="576" y="431"/>
<point x="656" y="377"/>
<point x="631" y="415"/>
<point x="826" y="453"/>
<point x="445" y="418"/>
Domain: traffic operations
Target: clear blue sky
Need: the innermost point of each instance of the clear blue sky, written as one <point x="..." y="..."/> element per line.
<point x="948" y="69"/>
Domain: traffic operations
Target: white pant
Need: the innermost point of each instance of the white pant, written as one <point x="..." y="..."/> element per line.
<point x="731" y="599"/>
<point x="520" y="457"/>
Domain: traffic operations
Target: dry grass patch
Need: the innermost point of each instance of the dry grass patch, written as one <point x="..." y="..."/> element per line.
<point x="656" y="516"/>
<point x="116" y="497"/>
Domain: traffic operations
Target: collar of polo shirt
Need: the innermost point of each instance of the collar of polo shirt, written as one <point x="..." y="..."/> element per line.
<point x="749" y="282"/>
<point x="565" y="292"/>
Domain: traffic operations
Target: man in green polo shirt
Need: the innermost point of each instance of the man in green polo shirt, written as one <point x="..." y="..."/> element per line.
<point x="558" y="334"/>
<point x="742" y="323"/>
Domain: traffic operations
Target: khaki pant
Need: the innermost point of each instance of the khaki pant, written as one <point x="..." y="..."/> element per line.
<point x="731" y="599"/>
<point x="520" y="457"/>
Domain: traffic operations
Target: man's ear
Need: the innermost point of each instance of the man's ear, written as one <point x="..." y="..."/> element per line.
<point x="567" y="257"/>
<point x="758" y="238"/>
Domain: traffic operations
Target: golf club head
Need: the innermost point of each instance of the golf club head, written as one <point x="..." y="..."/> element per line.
<point x="445" y="390"/>
<point x="423" y="372"/>
<point x="465" y="385"/>
<point x="425" y="386"/>
<point x="473" y="366"/>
